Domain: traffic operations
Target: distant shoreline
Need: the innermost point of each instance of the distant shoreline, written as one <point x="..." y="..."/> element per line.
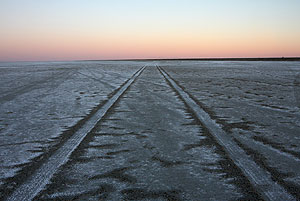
<point x="177" y="59"/>
<point x="209" y="59"/>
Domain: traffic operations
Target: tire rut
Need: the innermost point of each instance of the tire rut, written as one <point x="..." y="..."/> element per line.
<point x="149" y="147"/>
<point x="32" y="86"/>
<point x="260" y="178"/>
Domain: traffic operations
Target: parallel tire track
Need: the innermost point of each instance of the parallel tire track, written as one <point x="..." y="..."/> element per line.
<point x="38" y="180"/>
<point x="258" y="177"/>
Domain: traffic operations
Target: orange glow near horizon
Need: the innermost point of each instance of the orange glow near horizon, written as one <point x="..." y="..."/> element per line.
<point x="145" y="47"/>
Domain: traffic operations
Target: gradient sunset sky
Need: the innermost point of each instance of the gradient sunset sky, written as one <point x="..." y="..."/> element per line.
<point x="40" y="30"/>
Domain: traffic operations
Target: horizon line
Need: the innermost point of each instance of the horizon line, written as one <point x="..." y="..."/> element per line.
<point x="296" y="58"/>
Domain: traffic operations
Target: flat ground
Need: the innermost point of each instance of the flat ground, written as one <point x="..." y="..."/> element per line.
<point x="150" y="143"/>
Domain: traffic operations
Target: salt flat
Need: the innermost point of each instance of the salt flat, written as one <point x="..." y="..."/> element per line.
<point x="149" y="145"/>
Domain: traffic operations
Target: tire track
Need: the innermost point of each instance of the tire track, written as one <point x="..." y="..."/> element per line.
<point x="37" y="181"/>
<point x="148" y="146"/>
<point x="96" y="79"/>
<point x="258" y="177"/>
<point x="32" y="86"/>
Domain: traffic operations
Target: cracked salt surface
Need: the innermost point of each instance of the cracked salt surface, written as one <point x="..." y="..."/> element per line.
<point x="150" y="146"/>
<point x="38" y="101"/>
<point x="257" y="103"/>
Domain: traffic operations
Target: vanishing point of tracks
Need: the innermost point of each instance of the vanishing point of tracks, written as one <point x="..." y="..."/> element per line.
<point x="257" y="179"/>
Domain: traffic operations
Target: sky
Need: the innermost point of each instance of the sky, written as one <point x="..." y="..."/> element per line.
<point x="47" y="30"/>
